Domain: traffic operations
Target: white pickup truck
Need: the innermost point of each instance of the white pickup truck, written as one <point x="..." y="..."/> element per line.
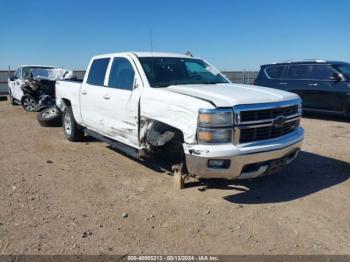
<point x="148" y="104"/>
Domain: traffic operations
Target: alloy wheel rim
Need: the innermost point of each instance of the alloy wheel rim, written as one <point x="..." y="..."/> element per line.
<point x="29" y="104"/>
<point x="67" y="124"/>
<point x="49" y="113"/>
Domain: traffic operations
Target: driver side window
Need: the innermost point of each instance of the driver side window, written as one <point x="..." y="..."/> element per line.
<point x="194" y="68"/>
<point x="122" y="74"/>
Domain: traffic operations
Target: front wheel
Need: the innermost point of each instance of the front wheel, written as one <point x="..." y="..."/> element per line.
<point x="29" y="103"/>
<point x="72" y="131"/>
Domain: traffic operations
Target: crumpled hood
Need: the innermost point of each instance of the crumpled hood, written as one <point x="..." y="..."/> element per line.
<point x="228" y="95"/>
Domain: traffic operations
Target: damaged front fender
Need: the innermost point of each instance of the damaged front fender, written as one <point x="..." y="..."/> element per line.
<point x="178" y="111"/>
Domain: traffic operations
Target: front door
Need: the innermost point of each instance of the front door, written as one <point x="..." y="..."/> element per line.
<point x="321" y="91"/>
<point x="340" y="95"/>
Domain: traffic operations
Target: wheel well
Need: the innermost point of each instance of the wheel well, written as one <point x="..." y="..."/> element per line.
<point x="164" y="142"/>
<point x="66" y="102"/>
<point x="155" y="131"/>
<point x="27" y="90"/>
<point x="26" y="95"/>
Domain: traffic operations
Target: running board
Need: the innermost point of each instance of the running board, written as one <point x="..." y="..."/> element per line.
<point x="115" y="144"/>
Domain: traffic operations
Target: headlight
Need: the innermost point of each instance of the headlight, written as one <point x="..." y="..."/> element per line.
<point x="214" y="135"/>
<point x="300" y="108"/>
<point x="215" y="117"/>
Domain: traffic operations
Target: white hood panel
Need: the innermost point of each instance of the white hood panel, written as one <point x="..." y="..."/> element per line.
<point x="228" y="95"/>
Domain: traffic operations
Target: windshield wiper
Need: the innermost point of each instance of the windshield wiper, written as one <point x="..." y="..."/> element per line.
<point x="210" y="83"/>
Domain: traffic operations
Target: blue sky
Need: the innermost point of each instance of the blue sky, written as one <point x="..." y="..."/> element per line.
<point x="231" y="34"/>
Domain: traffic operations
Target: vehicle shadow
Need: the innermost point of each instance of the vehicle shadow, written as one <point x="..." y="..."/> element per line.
<point x="326" y="117"/>
<point x="309" y="174"/>
<point x="157" y="166"/>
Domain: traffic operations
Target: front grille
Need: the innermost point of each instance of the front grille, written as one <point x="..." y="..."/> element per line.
<point x="266" y="132"/>
<point x="257" y="115"/>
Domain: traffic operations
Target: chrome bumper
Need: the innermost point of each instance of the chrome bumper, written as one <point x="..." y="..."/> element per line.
<point x="246" y="160"/>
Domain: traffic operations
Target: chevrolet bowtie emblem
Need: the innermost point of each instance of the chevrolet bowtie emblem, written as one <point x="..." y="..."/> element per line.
<point x="279" y="122"/>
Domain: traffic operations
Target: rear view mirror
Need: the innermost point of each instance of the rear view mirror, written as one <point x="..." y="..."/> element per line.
<point x="336" y="77"/>
<point x="12" y="78"/>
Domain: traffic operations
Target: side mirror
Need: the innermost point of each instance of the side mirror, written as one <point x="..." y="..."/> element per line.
<point x="336" y="77"/>
<point x="12" y="78"/>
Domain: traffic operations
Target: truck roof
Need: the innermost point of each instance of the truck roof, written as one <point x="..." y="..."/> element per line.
<point x="306" y="61"/>
<point x="146" y="54"/>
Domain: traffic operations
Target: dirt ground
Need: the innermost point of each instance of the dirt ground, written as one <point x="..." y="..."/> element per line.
<point x="58" y="197"/>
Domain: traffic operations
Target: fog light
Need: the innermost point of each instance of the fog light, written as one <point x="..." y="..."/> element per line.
<point x="219" y="163"/>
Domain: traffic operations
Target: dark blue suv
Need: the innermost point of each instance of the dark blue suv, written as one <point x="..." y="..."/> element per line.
<point x="322" y="85"/>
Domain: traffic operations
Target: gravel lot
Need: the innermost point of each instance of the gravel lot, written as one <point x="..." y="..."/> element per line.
<point x="58" y="197"/>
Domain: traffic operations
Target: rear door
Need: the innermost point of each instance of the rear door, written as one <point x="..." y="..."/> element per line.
<point x="272" y="76"/>
<point x="92" y="95"/>
<point x="120" y="101"/>
<point x="298" y="82"/>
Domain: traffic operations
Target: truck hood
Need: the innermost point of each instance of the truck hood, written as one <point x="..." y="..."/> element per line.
<point x="228" y="95"/>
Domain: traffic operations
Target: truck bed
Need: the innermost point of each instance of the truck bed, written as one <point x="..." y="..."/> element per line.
<point x="74" y="80"/>
<point x="68" y="90"/>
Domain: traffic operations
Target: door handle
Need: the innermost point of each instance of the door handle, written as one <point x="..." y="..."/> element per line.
<point x="314" y="84"/>
<point x="83" y="92"/>
<point x="283" y="84"/>
<point x="107" y="97"/>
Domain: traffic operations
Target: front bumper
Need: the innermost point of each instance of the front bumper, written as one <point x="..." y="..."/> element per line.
<point x="246" y="160"/>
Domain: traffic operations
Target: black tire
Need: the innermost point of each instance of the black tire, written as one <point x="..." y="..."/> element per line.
<point x="50" y="117"/>
<point x="29" y="103"/>
<point x="72" y="131"/>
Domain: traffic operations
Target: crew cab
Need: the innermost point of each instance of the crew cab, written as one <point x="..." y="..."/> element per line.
<point x="164" y="104"/>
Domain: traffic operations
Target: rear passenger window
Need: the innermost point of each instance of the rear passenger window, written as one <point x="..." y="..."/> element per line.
<point x="122" y="74"/>
<point x="98" y="71"/>
<point x="275" y="71"/>
<point x="321" y="72"/>
<point x="300" y="72"/>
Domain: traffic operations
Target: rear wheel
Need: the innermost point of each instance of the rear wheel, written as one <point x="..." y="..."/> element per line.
<point x="72" y="131"/>
<point x="29" y="103"/>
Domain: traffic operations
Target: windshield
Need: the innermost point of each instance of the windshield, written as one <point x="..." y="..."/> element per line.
<point x="26" y="70"/>
<point x="166" y="71"/>
<point x="344" y="69"/>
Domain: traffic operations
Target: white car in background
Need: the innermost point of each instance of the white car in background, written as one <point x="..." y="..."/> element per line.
<point x="22" y="86"/>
